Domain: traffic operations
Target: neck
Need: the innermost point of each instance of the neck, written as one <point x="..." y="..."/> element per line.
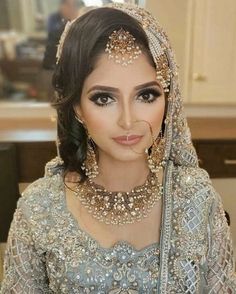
<point x="115" y="175"/>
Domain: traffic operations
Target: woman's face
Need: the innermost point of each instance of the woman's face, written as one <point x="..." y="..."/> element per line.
<point x="118" y="104"/>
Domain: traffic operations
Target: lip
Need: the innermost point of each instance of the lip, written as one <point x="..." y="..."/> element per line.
<point x="128" y="140"/>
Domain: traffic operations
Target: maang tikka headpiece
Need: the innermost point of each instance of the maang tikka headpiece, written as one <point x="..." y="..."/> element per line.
<point x="122" y="47"/>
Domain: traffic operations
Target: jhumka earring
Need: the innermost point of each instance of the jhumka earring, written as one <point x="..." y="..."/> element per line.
<point x="156" y="157"/>
<point x="90" y="164"/>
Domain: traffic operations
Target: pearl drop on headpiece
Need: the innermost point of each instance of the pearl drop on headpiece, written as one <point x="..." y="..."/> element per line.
<point x="122" y="47"/>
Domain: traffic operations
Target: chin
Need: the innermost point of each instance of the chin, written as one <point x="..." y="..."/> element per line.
<point x="127" y="156"/>
<point x="123" y="153"/>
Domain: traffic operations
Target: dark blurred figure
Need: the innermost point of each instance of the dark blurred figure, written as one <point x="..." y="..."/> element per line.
<point x="68" y="10"/>
<point x="227" y="217"/>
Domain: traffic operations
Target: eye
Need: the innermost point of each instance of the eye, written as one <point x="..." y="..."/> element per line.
<point x="102" y="99"/>
<point x="148" y="95"/>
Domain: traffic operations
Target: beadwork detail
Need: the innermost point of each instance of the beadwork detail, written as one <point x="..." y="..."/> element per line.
<point x="122" y="47"/>
<point x="120" y="208"/>
<point x="48" y="252"/>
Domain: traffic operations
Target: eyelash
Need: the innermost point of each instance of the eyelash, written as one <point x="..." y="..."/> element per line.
<point x="99" y="95"/>
<point x="153" y="92"/>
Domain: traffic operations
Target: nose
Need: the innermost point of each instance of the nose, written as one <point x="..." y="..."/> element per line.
<point x="126" y="118"/>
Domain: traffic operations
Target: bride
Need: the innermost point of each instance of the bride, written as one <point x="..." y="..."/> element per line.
<point x="125" y="208"/>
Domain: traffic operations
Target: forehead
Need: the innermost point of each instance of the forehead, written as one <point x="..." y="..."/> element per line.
<point x="107" y="72"/>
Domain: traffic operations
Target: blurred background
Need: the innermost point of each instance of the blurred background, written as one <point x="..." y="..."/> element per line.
<point x="203" y="36"/>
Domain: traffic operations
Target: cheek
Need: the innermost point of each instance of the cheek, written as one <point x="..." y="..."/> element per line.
<point x="95" y="120"/>
<point x="155" y="116"/>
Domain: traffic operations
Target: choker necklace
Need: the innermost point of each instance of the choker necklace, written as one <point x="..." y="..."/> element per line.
<point x="119" y="208"/>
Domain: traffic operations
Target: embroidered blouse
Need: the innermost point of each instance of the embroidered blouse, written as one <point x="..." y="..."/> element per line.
<point x="49" y="253"/>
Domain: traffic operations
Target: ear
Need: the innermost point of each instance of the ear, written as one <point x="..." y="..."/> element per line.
<point x="78" y="113"/>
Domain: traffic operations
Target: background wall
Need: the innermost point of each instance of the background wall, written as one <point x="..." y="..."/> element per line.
<point x="177" y="27"/>
<point x="202" y="33"/>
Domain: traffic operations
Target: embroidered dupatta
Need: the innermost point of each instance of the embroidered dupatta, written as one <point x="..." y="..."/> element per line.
<point x="196" y="245"/>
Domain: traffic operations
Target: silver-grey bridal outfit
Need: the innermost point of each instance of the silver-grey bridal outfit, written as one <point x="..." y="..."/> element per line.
<point x="48" y="252"/>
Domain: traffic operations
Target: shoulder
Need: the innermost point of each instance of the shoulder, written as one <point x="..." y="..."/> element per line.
<point x="193" y="183"/>
<point x="191" y="176"/>
<point x="194" y="186"/>
<point x="39" y="208"/>
<point x="40" y="195"/>
<point x="54" y="17"/>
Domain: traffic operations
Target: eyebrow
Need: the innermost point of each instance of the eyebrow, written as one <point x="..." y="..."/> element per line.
<point x="112" y="89"/>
